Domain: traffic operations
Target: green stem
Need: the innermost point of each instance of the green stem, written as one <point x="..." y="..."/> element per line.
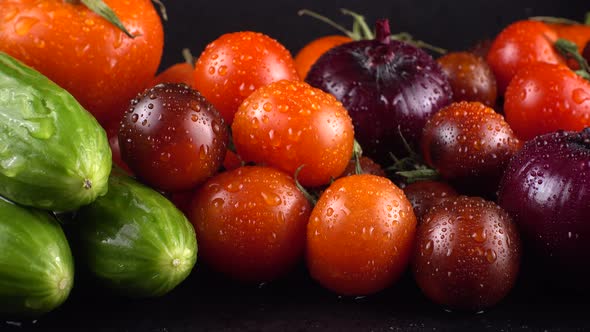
<point x="554" y="20"/>
<point x="368" y="33"/>
<point x="328" y="21"/>
<point x="419" y="175"/>
<point x="408" y="38"/>
<point x="587" y="20"/>
<point x="357" y="152"/>
<point x="101" y="9"/>
<point x="162" y="9"/>
<point x="188" y="57"/>
<point x="570" y="51"/>
<point x="311" y="198"/>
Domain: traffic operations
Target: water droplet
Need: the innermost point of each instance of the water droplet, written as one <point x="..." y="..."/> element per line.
<point x="491" y="256"/>
<point x="134" y="118"/>
<point x="24" y="24"/>
<point x="428" y="248"/>
<point x="194" y="118"/>
<point x="267" y="107"/>
<point x="479" y="236"/>
<point x="222" y="70"/>
<point x="329" y="212"/>
<point x="218" y="202"/>
<point x="41" y="128"/>
<point x="271" y="198"/>
<point x="203" y="151"/>
<point x="580" y="96"/>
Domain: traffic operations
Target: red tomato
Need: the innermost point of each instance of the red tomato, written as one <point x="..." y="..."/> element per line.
<point x="250" y="223"/>
<point x="544" y="98"/>
<point x="425" y="194"/>
<point x="360" y="235"/>
<point x="467" y="253"/>
<point x="470" y="145"/>
<point x="82" y="52"/>
<point x="520" y="44"/>
<point x="236" y="64"/>
<point x="309" y="54"/>
<point x="287" y="124"/>
<point x="172" y="138"/>
<point x="178" y="73"/>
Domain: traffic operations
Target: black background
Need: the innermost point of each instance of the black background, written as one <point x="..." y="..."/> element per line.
<point x="296" y="303"/>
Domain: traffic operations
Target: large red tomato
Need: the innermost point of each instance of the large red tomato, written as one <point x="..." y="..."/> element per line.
<point x="82" y="52"/>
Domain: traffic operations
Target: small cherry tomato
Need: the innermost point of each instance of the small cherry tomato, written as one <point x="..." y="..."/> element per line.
<point x="250" y="223"/>
<point x="544" y="98"/>
<point x="470" y="76"/>
<point x="360" y="235"/>
<point x="288" y="124"/>
<point x="520" y="44"/>
<point x="425" y="194"/>
<point x="309" y="54"/>
<point x="84" y="53"/>
<point x="467" y="253"/>
<point x="172" y="138"/>
<point x="233" y="66"/>
<point x="470" y="145"/>
<point x="178" y="73"/>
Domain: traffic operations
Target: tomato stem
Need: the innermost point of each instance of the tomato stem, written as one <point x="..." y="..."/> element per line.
<point x="188" y="57"/>
<point x="587" y="19"/>
<point x="311" y="198"/>
<point x="554" y="20"/>
<point x="103" y="10"/>
<point x="570" y="51"/>
<point x="162" y="9"/>
<point x="360" y="20"/>
<point x="357" y="152"/>
<point x="331" y="23"/>
<point x="408" y="38"/>
<point x="383" y="31"/>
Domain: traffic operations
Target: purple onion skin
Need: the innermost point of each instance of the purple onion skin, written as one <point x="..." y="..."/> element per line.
<point x="546" y="190"/>
<point x="383" y="86"/>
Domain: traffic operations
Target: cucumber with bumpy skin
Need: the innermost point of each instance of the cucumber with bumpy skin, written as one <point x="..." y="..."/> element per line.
<point x="36" y="268"/>
<point x="53" y="154"/>
<point x="134" y="240"/>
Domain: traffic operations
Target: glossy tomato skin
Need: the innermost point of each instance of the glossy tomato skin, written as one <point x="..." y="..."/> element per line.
<point x="544" y="98"/>
<point x="423" y="195"/>
<point x="177" y="73"/>
<point x="250" y="223"/>
<point x="470" y="145"/>
<point x="470" y="77"/>
<point x="520" y="44"/>
<point x="576" y="33"/>
<point x="172" y="138"/>
<point x="233" y="66"/>
<point x="311" y="52"/>
<point x="467" y="253"/>
<point x="83" y="53"/>
<point x="287" y="124"/>
<point x="546" y="189"/>
<point x="360" y="235"/>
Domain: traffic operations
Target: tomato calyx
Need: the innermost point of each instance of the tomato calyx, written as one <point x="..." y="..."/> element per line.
<point x="189" y="58"/>
<point x="569" y="50"/>
<point x="313" y="199"/>
<point x="357" y="153"/>
<point x="412" y="168"/>
<point x="103" y="10"/>
<point x="361" y="31"/>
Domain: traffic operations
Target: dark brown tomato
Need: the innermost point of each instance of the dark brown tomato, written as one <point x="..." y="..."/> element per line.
<point x="469" y="144"/>
<point x="367" y="165"/>
<point x="470" y="76"/>
<point x="425" y="194"/>
<point x="172" y="138"/>
<point x="250" y="223"/>
<point x="467" y="253"/>
<point x="481" y="48"/>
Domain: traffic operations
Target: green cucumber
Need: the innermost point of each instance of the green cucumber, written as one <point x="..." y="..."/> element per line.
<point x="134" y="240"/>
<point x="53" y="154"/>
<point x="36" y="267"/>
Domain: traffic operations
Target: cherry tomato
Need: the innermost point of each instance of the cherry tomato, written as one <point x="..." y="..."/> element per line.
<point x="112" y="130"/>
<point x="544" y="98"/>
<point x="367" y="165"/>
<point x="287" y="124"/>
<point x="423" y="195"/>
<point x="232" y="161"/>
<point x="467" y="254"/>
<point x="236" y="64"/>
<point x="360" y="235"/>
<point x="177" y="73"/>
<point x="520" y="44"/>
<point x="481" y="48"/>
<point x="470" y="76"/>
<point x="470" y="145"/>
<point x="309" y="54"/>
<point x="250" y="223"/>
<point x="82" y="52"/>
<point x="172" y="138"/>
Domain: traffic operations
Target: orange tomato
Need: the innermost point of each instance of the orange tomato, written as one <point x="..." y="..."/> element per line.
<point x="177" y="73"/>
<point x="82" y="52"/>
<point x="309" y="54"/>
